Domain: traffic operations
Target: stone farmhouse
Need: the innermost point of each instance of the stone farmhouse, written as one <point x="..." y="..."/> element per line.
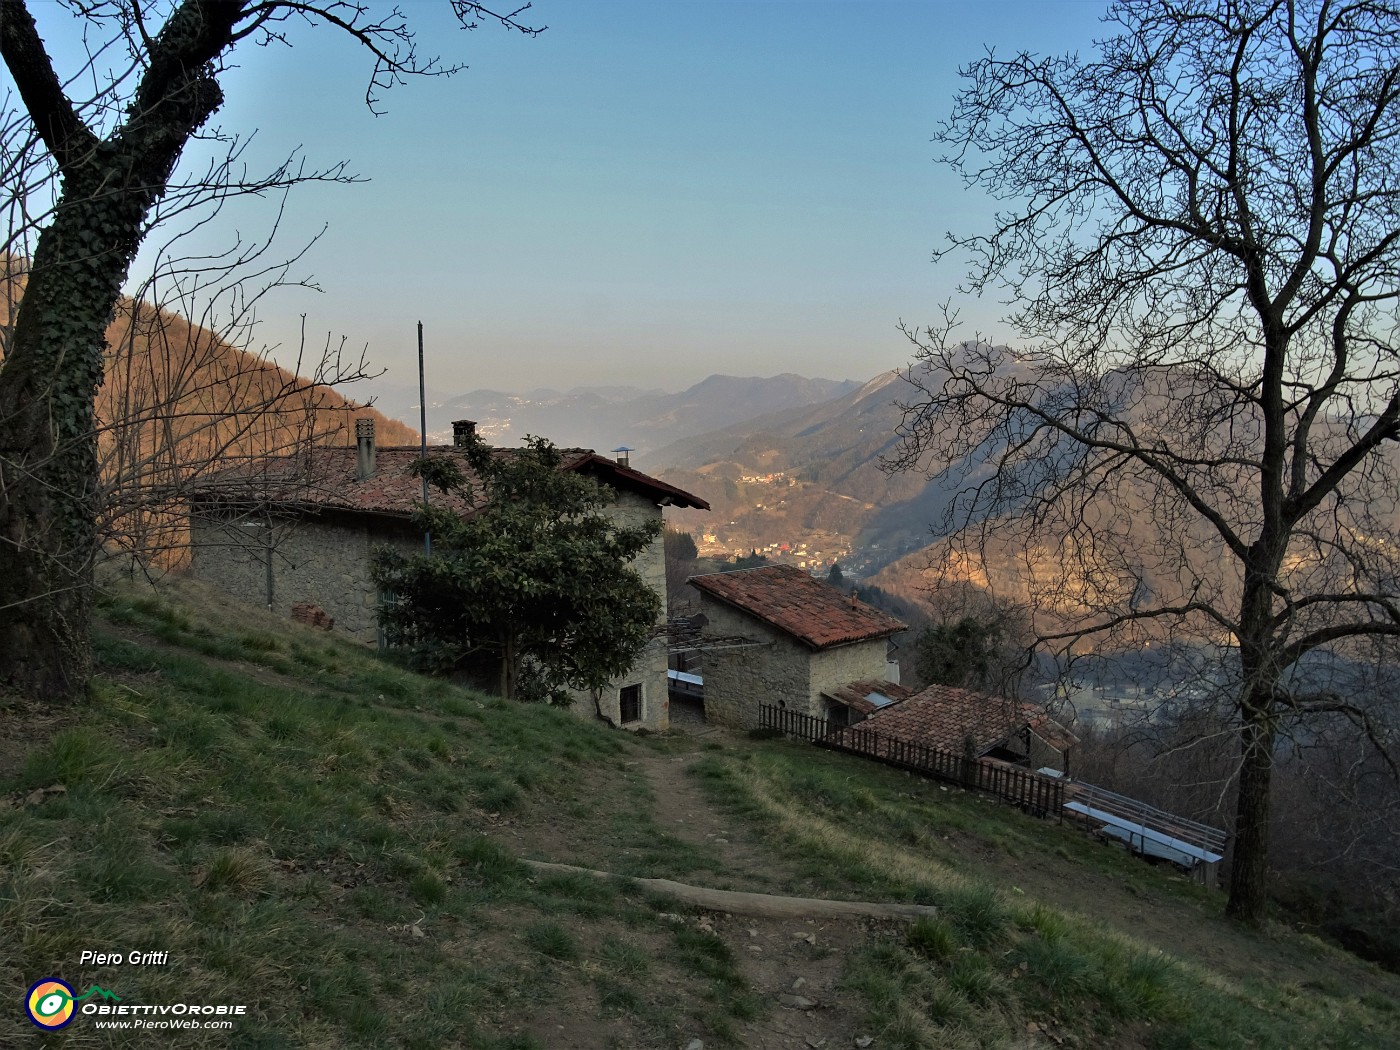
<point x="294" y="534"/>
<point x="979" y="726"/>
<point x="806" y="647"/>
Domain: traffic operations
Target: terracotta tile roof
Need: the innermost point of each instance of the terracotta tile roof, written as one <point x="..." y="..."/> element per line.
<point x="944" y="717"/>
<point x="1049" y="730"/>
<point x="812" y="611"/>
<point x="324" y="477"/>
<point x="856" y="695"/>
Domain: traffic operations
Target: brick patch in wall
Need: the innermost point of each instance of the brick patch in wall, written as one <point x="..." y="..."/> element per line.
<point x="312" y="615"/>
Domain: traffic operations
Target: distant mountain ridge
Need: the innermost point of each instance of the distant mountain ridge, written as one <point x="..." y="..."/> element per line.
<point x="813" y="476"/>
<point x="831" y="484"/>
<point x="810" y="479"/>
<point x="605" y="417"/>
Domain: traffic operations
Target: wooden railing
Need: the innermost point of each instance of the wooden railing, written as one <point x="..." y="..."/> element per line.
<point x="1034" y="792"/>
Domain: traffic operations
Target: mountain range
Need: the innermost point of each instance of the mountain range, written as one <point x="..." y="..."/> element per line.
<point x="807" y="485"/>
<point x="807" y="470"/>
<point x="606" y="417"/>
<point x="780" y="459"/>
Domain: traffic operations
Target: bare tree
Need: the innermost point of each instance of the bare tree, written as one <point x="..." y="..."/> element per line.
<point x="1202" y="253"/>
<point x="974" y="640"/>
<point x="88" y="164"/>
<point x="186" y="392"/>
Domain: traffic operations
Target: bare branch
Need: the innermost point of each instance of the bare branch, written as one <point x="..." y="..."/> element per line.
<point x="1194" y="430"/>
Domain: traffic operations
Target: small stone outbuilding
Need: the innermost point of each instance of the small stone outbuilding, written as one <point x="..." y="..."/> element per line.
<point x="294" y="534"/>
<point x="978" y="725"/>
<point x="807" y="642"/>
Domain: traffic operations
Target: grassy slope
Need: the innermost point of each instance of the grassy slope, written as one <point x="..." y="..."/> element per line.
<point x="1044" y="930"/>
<point x="333" y="842"/>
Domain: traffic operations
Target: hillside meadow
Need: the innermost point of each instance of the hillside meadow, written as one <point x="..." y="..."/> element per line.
<point x="340" y="845"/>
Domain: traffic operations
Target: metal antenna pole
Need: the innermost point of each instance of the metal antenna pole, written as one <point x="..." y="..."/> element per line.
<point x="423" y="434"/>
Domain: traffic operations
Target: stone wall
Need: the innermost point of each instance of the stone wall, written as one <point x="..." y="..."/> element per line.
<point x="649" y="672"/>
<point x="649" y="668"/>
<point x="324" y="561"/>
<point x="740" y="681"/>
<point x="833" y="668"/>
<point x="321" y="561"/>
<point x="633" y="509"/>
<point x="781" y="672"/>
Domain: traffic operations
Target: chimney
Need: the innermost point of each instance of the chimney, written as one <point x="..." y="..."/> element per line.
<point x="622" y="452"/>
<point x="462" y="431"/>
<point x="364" y="449"/>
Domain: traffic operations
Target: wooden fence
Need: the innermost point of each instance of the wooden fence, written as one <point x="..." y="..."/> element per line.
<point x="1039" y="794"/>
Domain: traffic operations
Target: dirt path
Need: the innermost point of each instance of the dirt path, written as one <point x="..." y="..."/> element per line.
<point x="682" y="809"/>
<point x="796" y="965"/>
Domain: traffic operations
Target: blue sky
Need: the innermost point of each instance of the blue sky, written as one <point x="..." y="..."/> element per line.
<point x="646" y="194"/>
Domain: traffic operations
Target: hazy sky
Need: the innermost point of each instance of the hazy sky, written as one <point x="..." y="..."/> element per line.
<point x="647" y="193"/>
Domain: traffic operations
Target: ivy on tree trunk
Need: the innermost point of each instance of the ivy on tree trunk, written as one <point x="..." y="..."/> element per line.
<point x="104" y="189"/>
<point x="48" y="442"/>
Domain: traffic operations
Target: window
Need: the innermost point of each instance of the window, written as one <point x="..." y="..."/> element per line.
<point x="630" y="703"/>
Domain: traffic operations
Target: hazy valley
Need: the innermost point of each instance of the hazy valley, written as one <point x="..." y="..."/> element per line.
<point x="790" y="465"/>
<point x="605" y="417"/>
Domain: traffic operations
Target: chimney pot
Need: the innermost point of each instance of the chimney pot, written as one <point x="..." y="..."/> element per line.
<point x="364" y="449"/>
<point x="463" y="430"/>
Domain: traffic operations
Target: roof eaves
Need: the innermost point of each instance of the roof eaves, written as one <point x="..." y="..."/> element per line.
<point x="653" y="486"/>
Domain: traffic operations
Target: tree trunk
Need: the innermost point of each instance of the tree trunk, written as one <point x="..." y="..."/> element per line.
<point x="1249" y="862"/>
<point x="759" y="905"/>
<point x="48" y="445"/>
<point x="508" y="666"/>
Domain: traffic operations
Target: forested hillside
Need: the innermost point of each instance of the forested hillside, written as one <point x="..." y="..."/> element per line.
<point x="814" y="475"/>
<point x="177" y="401"/>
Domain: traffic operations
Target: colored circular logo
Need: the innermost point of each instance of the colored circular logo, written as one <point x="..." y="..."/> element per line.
<point x="50" y="1003"/>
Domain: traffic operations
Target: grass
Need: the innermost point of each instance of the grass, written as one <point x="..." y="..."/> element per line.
<point x="625" y="961"/>
<point x="317" y="833"/>
<point x="710" y="960"/>
<point x="995" y="960"/>
<point x="308" y="829"/>
<point x="552" y="940"/>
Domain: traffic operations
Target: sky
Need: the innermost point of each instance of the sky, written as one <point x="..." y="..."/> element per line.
<point x="645" y="194"/>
